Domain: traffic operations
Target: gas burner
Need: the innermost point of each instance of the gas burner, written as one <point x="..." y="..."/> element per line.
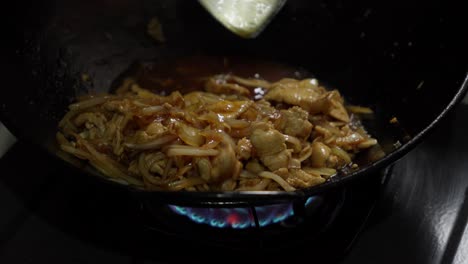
<point x="245" y="227"/>
<point x="267" y="227"/>
<point x="241" y="218"/>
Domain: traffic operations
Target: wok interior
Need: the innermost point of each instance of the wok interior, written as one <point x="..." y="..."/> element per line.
<point x="393" y="58"/>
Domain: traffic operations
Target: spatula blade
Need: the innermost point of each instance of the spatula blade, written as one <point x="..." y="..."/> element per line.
<point x="246" y="18"/>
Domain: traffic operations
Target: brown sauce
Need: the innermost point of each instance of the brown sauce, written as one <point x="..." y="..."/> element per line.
<point x="188" y="74"/>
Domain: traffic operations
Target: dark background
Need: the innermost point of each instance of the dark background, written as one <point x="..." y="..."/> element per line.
<point x="51" y="215"/>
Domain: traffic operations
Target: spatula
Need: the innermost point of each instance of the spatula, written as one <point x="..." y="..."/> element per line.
<point x="246" y="18"/>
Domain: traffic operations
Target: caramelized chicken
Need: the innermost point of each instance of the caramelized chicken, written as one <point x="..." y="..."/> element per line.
<point x="225" y="165"/>
<point x="301" y="179"/>
<point x="320" y="155"/>
<point x="91" y="120"/>
<point x="204" y="168"/>
<point x="153" y="131"/>
<point x="244" y="149"/>
<point x="229" y="109"/>
<point x="270" y="147"/>
<point x="309" y="96"/>
<point x="219" y="85"/>
<point x="301" y="93"/>
<point x="294" y="122"/>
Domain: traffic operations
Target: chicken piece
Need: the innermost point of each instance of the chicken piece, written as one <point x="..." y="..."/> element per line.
<point x="270" y="147"/>
<point x="156" y="162"/>
<point x="229" y="109"/>
<point x="153" y="131"/>
<point x="282" y="172"/>
<point x="156" y="129"/>
<point x="254" y="166"/>
<point x="320" y="155"/>
<point x="350" y="141"/>
<point x="244" y="149"/>
<point x="334" y="106"/>
<point x="254" y="83"/>
<point x="147" y="97"/>
<point x="260" y="110"/>
<point x="294" y="122"/>
<point x="301" y="93"/>
<point x="276" y="161"/>
<point x="228" y="185"/>
<point x="204" y="168"/>
<point x="201" y="98"/>
<point x="265" y="109"/>
<point x="354" y="137"/>
<point x="176" y="99"/>
<point x="225" y="165"/>
<point x="91" y="120"/>
<point x="311" y="97"/>
<point x="301" y="179"/>
<point x="219" y="85"/>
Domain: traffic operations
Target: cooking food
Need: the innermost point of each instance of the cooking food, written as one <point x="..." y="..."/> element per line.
<point x="237" y="134"/>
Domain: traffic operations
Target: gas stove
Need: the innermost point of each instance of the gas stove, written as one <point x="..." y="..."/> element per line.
<point x="414" y="212"/>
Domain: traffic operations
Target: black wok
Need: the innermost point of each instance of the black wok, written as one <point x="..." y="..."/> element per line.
<point x="405" y="59"/>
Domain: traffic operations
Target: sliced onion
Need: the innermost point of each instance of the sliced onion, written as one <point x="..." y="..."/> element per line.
<point x="152" y="109"/>
<point x="190" y="135"/>
<point x="247" y="174"/>
<point x="368" y="143"/>
<point x="237" y="123"/>
<point x="250" y="82"/>
<point x="185" y="183"/>
<point x="181" y="150"/>
<point x="74" y="151"/>
<point x="320" y="171"/>
<point x="144" y="170"/>
<point x="341" y="154"/>
<point x="157" y="143"/>
<point x="306" y="152"/>
<point x="296" y="143"/>
<point x="257" y="187"/>
<point x="108" y="166"/>
<point x="359" y="109"/>
<point x="294" y="164"/>
<point x="351" y="139"/>
<point x="277" y="179"/>
<point x="61" y="139"/>
<point x="90" y="102"/>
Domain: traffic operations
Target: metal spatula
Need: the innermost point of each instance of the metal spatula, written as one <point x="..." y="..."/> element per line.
<point x="246" y="18"/>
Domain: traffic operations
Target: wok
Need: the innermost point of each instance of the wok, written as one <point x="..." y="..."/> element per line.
<point x="405" y="59"/>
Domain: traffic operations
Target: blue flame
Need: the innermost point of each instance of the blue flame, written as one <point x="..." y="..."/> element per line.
<point x="310" y="200"/>
<point x="238" y="218"/>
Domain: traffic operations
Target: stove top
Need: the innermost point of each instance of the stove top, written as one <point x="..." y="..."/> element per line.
<point x="417" y="213"/>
